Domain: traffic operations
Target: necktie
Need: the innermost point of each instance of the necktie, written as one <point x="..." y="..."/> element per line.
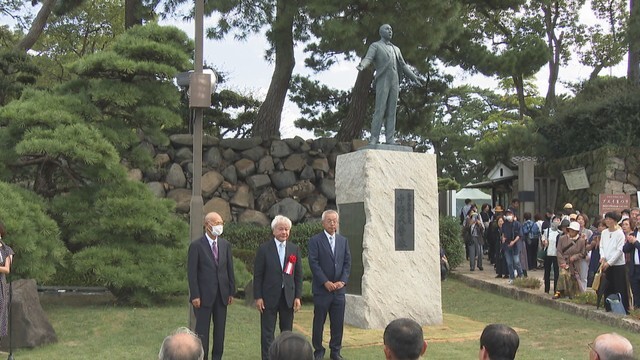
<point x="333" y="244"/>
<point x="281" y="254"/>
<point x="214" y="248"/>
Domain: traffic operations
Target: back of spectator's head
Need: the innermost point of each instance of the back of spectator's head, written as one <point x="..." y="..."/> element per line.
<point x="611" y="347"/>
<point x="498" y="342"/>
<point x="183" y="344"/>
<point x="290" y="346"/>
<point x="467" y="201"/>
<point x="404" y="340"/>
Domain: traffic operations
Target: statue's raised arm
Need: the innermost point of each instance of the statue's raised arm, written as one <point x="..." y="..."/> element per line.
<point x="389" y="65"/>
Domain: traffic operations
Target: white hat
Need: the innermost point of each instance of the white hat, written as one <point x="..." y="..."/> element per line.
<point x="574" y="226"/>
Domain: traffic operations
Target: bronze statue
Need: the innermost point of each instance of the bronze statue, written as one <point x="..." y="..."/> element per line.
<point x="390" y="65"/>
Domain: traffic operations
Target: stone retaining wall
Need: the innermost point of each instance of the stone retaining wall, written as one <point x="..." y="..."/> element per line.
<point x="609" y="170"/>
<point x="249" y="180"/>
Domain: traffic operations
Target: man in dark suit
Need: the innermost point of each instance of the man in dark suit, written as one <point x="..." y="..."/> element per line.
<point x="211" y="283"/>
<point x="277" y="282"/>
<point x="330" y="262"/>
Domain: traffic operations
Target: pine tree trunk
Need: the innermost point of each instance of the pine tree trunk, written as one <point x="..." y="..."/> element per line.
<point x="132" y="13"/>
<point x="518" y="83"/>
<point x="37" y="27"/>
<point x="267" y="121"/>
<point x="352" y="125"/>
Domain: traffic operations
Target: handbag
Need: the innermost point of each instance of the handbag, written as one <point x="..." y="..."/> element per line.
<point x="615" y="302"/>
<point x="597" y="278"/>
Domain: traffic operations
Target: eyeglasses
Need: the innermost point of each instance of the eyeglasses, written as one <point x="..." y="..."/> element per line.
<point x="216" y="223"/>
<point x="331" y="221"/>
<point x="590" y="346"/>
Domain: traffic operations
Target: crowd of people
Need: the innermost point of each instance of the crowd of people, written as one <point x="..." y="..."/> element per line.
<point x="571" y="249"/>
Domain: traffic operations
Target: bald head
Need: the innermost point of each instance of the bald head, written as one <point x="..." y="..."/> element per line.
<point x="212" y="217"/>
<point x="612" y="347"/>
<point x="183" y="344"/>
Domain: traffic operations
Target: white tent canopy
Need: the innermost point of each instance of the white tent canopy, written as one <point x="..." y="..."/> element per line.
<point x="477" y="196"/>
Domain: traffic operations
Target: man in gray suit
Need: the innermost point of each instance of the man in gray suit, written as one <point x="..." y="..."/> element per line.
<point x="211" y="283"/>
<point x="330" y="263"/>
<point x="390" y="65"/>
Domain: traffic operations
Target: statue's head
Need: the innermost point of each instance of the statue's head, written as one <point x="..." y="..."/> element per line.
<point x="386" y="32"/>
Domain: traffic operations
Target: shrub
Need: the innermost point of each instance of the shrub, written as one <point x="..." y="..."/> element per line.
<point x="246" y="256"/>
<point x="451" y="240"/>
<point x="124" y="238"/>
<point x="585" y="298"/>
<point x="242" y="274"/>
<point x="306" y="269"/>
<point x="528" y="282"/>
<point x="246" y="238"/>
<point x="307" y="295"/>
<point x="31" y="233"/>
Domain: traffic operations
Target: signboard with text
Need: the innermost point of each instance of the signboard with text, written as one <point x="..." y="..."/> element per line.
<point x="576" y="179"/>
<point x="614" y="202"/>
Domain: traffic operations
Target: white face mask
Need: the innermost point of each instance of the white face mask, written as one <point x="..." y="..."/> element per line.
<point x="216" y="230"/>
<point x="509" y="217"/>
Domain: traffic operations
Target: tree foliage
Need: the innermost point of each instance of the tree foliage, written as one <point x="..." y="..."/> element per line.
<point x="31" y="233"/>
<point x="67" y="145"/>
<point x="86" y="29"/>
<point x="605" y="112"/>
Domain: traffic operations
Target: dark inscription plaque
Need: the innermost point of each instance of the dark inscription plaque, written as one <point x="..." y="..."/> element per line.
<point x="404" y="229"/>
<point x="352" y="220"/>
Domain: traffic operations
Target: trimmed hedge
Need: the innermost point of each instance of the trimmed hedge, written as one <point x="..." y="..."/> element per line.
<point x="247" y="238"/>
<point x="451" y="240"/>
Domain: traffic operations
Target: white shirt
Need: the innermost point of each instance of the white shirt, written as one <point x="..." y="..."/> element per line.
<point x="611" y="243"/>
<point x="210" y="240"/>
<point x="552" y="237"/>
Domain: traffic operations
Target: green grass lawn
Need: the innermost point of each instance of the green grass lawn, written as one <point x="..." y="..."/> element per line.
<point x="106" y="332"/>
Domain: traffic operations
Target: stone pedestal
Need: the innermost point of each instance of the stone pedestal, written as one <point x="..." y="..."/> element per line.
<point x="388" y="204"/>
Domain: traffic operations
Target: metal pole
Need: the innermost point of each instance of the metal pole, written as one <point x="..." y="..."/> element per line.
<point x="196" y="217"/>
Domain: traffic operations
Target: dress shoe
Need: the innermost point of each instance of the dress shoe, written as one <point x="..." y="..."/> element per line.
<point x="480" y="268"/>
<point x="337" y="357"/>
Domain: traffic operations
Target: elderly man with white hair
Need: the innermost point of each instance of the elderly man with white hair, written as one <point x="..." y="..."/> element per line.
<point x="277" y="282"/>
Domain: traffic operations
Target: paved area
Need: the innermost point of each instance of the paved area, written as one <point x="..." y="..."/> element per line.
<point x="486" y="280"/>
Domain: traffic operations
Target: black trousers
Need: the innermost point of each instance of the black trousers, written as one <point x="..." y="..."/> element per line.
<point x="550" y="261"/>
<point x="532" y="254"/>
<point x="617" y="282"/>
<point x="203" y="321"/>
<point x="268" y="323"/>
<point x="334" y="305"/>
<point x="634" y="281"/>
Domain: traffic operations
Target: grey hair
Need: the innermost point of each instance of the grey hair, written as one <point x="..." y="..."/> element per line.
<point x="327" y="212"/>
<point x="171" y="351"/>
<point x="280" y="219"/>
<point x="615" y="347"/>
